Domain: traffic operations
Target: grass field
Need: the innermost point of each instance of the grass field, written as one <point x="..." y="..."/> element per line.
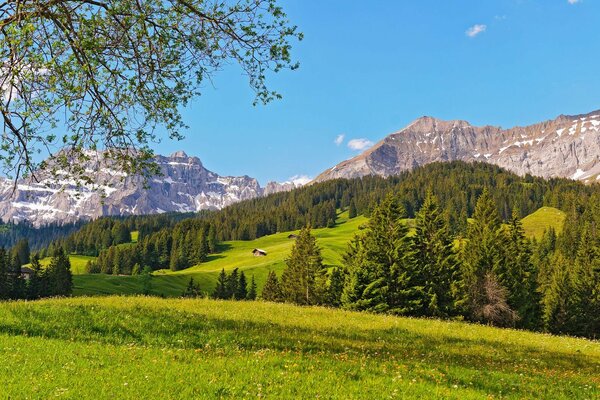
<point x="78" y="263"/>
<point x="238" y="254"/>
<point x="536" y="223"/>
<point x="135" y="347"/>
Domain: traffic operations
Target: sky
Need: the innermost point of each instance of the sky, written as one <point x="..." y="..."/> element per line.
<point x="369" y="68"/>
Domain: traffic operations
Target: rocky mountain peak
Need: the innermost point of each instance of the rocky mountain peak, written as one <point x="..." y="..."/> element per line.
<point x="179" y="154"/>
<point x="184" y="185"/>
<point x="567" y="146"/>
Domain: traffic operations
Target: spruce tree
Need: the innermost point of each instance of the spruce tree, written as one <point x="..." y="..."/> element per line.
<point x="220" y="291"/>
<point x="352" y="209"/>
<point x="482" y="256"/>
<point x="146" y="279"/>
<point x="559" y="298"/>
<point x="35" y="287"/>
<point x="59" y="272"/>
<point x="335" y="287"/>
<point x="271" y="290"/>
<point x="192" y="290"/>
<point x="21" y="252"/>
<point x="4" y="286"/>
<point x="242" y="288"/>
<point x="252" y="290"/>
<point x="360" y="274"/>
<point x="436" y="272"/>
<point x="380" y="264"/>
<point x="519" y="276"/>
<point x="303" y="281"/>
<point x="233" y="282"/>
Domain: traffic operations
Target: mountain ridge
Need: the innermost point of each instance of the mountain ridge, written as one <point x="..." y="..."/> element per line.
<point x="539" y="149"/>
<point x="184" y="185"/>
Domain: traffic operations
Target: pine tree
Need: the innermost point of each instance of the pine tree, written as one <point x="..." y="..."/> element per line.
<point x="271" y="290"/>
<point x="242" y="288"/>
<point x="35" y="285"/>
<point x="59" y="272"/>
<point x="359" y="275"/>
<point x="303" y="281"/>
<point x="559" y="297"/>
<point x="252" y="290"/>
<point x="4" y="286"/>
<point x="380" y="263"/>
<point x="192" y="290"/>
<point x="352" y="209"/>
<point x="220" y="291"/>
<point x="21" y="252"/>
<point x="146" y="279"/>
<point x="335" y="287"/>
<point x="519" y="276"/>
<point x="233" y="281"/>
<point x="482" y="256"/>
<point x="586" y="283"/>
<point x="436" y="265"/>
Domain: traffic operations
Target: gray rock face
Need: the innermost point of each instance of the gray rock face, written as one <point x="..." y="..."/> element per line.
<point x="568" y="146"/>
<point x="185" y="185"/>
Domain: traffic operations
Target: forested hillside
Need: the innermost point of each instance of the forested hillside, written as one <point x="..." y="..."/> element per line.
<point x="465" y="253"/>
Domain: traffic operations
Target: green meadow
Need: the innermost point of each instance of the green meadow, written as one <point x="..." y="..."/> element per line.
<point x="535" y="224"/>
<point x="137" y="347"/>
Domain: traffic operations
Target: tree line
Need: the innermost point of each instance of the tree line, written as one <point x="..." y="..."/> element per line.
<point x="35" y="281"/>
<point x="493" y="275"/>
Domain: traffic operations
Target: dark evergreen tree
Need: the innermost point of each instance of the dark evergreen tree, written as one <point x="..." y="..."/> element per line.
<point x="519" y="276"/>
<point x="242" y="288"/>
<point x="59" y="274"/>
<point x="252" y="290"/>
<point x="4" y="268"/>
<point x="380" y="264"/>
<point x="335" y="287"/>
<point x="352" y="209"/>
<point x="192" y="290"/>
<point x="436" y="269"/>
<point x="303" y="280"/>
<point x="271" y="290"/>
<point x="482" y="258"/>
<point x="146" y="279"/>
<point x="36" y="287"/>
<point x="221" y="291"/>
<point x="233" y="282"/>
<point x="21" y="252"/>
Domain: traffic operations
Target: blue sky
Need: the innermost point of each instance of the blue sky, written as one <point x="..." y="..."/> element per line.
<point x="368" y="68"/>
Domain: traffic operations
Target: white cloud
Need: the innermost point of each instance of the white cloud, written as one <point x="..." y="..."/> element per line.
<point x="339" y="139"/>
<point x="574" y="1"/>
<point x="475" y="30"/>
<point x="300" y="180"/>
<point x="359" y="144"/>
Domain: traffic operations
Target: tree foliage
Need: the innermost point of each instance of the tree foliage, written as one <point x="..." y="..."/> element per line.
<point x="108" y="73"/>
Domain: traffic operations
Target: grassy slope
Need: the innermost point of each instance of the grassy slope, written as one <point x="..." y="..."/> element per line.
<point x="78" y="263"/>
<point x="139" y="347"/>
<point x="536" y="223"/>
<point x="237" y="254"/>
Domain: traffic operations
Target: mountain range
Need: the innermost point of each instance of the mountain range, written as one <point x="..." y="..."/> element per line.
<point x="184" y="185"/>
<point x="568" y="146"/>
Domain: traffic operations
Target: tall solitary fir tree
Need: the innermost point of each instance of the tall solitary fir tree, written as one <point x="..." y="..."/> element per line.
<point x="482" y="258"/>
<point x="379" y="263"/>
<point x="59" y="273"/>
<point x="303" y="280"/>
<point x="271" y="291"/>
<point x="436" y="264"/>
